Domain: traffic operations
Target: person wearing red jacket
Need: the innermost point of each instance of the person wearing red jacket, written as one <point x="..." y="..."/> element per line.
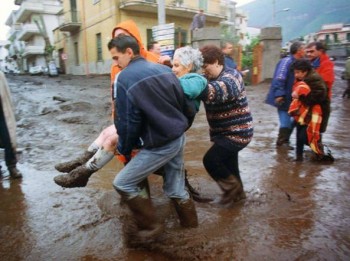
<point x="316" y="53"/>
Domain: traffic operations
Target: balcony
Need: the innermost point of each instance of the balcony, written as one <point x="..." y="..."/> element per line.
<point x="177" y="8"/>
<point x="27" y="9"/>
<point x="27" y="31"/>
<point x="31" y="50"/>
<point x="70" y="21"/>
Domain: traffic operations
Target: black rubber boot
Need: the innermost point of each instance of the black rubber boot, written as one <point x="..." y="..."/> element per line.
<point x="283" y="138"/>
<point x="68" y="166"/>
<point x="78" y="177"/>
<point x="187" y="212"/>
<point x="14" y="172"/>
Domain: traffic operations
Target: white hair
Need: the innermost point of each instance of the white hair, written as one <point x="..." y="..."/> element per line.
<point x="187" y="56"/>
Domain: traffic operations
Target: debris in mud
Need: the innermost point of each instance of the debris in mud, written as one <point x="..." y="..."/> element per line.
<point x="60" y="99"/>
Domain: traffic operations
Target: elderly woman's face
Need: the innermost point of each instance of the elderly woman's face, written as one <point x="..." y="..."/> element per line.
<point x="179" y="69"/>
<point x="211" y="71"/>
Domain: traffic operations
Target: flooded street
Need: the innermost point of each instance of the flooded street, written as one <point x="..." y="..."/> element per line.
<point x="293" y="211"/>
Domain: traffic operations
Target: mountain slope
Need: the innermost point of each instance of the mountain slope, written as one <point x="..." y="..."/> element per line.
<point x="304" y="16"/>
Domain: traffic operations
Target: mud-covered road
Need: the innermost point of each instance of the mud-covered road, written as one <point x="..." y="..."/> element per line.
<point x="293" y="211"/>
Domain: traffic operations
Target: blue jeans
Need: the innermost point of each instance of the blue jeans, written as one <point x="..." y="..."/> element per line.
<point x="149" y="160"/>
<point x="285" y="120"/>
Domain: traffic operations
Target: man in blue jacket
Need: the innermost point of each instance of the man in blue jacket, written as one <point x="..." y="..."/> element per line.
<point x="149" y="105"/>
<point x="280" y="93"/>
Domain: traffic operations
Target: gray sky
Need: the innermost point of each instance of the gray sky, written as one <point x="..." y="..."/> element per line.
<point x="8" y="5"/>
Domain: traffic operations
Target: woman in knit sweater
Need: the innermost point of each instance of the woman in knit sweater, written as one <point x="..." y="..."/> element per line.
<point x="230" y="123"/>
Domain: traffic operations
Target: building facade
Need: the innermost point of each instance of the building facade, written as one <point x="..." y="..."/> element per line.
<point x="85" y="28"/>
<point x="31" y="31"/>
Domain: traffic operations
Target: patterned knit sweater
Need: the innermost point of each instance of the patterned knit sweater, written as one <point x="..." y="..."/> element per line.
<point x="227" y="110"/>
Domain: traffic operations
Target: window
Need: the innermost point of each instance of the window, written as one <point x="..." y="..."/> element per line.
<point x="348" y="37"/>
<point x="99" y="46"/>
<point x="327" y="38"/>
<point x="95" y="1"/>
<point x="76" y="53"/>
<point x="203" y="4"/>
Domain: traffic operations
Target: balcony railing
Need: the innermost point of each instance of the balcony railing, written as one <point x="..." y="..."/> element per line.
<point x="178" y="8"/>
<point x="27" y="31"/>
<point x="27" y="9"/>
<point x="70" y="21"/>
<point x="30" y="50"/>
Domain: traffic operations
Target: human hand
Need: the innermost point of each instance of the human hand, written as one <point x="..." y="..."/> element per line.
<point x="279" y="100"/>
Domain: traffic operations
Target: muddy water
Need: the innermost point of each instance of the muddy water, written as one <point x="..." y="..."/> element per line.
<point x="293" y="211"/>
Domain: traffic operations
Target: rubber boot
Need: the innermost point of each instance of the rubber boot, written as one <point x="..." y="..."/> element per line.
<point x="144" y="216"/>
<point x="232" y="190"/>
<point x="194" y="194"/>
<point x="68" y="166"/>
<point x="187" y="212"/>
<point x="283" y="138"/>
<point x="299" y="157"/>
<point x="14" y="172"/>
<point x="78" y="177"/>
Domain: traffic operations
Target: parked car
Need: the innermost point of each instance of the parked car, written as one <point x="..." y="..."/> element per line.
<point x="52" y="69"/>
<point x="36" y="70"/>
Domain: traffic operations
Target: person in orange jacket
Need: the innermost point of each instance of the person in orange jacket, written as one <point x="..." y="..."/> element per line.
<point x="102" y="150"/>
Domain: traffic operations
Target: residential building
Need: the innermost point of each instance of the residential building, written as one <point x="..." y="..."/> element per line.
<point x="85" y="28"/>
<point x="334" y="33"/>
<point x="31" y="31"/>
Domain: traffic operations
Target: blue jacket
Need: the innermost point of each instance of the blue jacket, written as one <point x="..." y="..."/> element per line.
<point x="230" y="63"/>
<point x="282" y="84"/>
<point x="149" y="104"/>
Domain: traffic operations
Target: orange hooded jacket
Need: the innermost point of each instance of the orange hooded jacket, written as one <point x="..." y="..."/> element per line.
<point x="131" y="28"/>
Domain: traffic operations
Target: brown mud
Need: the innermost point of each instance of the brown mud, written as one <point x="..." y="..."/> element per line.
<point x="293" y="211"/>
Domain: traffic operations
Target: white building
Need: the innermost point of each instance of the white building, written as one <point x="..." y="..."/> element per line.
<point x="32" y="28"/>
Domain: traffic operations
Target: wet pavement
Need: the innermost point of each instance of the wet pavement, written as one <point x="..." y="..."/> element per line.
<point x="293" y="211"/>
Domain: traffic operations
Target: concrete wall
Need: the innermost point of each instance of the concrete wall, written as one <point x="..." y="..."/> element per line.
<point x="271" y="39"/>
<point x="204" y="36"/>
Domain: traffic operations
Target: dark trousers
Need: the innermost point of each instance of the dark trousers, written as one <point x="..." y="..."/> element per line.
<point x="220" y="162"/>
<point x="301" y="138"/>
<point x="5" y="140"/>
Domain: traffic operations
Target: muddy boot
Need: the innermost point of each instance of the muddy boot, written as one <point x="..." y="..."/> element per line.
<point x="299" y="157"/>
<point x="194" y="194"/>
<point x="144" y="216"/>
<point x="187" y="212"/>
<point x="68" y="166"/>
<point x="283" y="138"/>
<point x="14" y="172"/>
<point x="78" y="177"/>
<point x="232" y="190"/>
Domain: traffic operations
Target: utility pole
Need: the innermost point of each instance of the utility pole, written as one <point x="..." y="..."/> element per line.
<point x="161" y="12"/>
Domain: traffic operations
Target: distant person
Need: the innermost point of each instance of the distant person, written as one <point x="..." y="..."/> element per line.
<point x="347" y="78"/>
<point x="154" y="47"/>
<point x="280" y="93"/>
<point x="230" y="124"/>
<point x="310" y="97"/>
<point x="198" y="21"/>
<point x="149" y="105"/>
<point x="227" y="49"/>
<point x="316" y="52"/>
<point x="8" y="129"/>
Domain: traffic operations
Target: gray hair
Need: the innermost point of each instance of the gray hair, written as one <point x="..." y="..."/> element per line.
<point x="188" y="55"/>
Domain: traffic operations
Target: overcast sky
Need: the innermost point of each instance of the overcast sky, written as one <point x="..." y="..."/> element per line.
<point x="8" y="5"/>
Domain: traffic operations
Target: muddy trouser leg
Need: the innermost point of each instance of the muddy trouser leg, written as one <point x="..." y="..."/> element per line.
<point x="10" y="155"/>
<point x="301" y="140"/>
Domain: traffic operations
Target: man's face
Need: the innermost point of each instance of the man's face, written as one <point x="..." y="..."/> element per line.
<point x="156" y="49"/>
<point x="312" y="53"/>
<point x="121" y="59"/>
<point x="228" y="49"/>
